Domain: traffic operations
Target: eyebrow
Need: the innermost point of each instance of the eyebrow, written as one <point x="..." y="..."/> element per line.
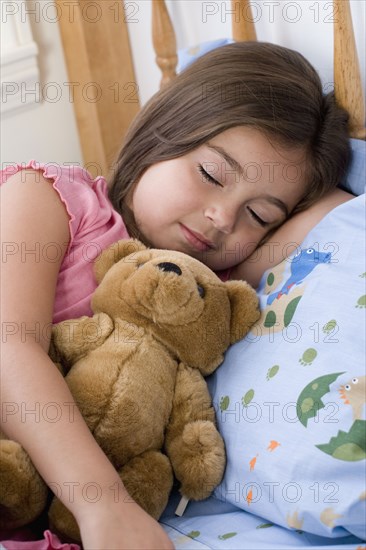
<point x="229" y="159"/>
<point x="238" y="168"/>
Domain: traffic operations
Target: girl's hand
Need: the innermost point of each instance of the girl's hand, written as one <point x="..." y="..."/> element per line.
<point x="122" y="526"/>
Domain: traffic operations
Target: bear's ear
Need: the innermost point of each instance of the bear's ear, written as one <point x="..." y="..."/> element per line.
<point x="244" y="308"/>
<point x="114" y="254"/>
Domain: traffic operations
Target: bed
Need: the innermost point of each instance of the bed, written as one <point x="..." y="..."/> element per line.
<point x="290" y="397"/>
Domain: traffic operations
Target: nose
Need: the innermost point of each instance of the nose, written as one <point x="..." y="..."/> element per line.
<point x="169" y="266"/>
<point x="222" y="218"/>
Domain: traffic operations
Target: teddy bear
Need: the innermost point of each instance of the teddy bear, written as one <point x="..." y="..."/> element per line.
<point x="162" y="322"/>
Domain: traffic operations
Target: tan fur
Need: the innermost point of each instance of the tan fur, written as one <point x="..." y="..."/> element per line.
<point x="136" y="369"/>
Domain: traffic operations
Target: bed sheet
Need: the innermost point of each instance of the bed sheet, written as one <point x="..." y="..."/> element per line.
<point x="213" y="524"/>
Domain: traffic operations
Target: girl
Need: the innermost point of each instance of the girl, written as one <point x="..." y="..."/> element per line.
<point x="239" y="143"/>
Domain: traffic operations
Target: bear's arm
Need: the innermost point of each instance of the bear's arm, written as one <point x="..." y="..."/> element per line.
<point x="193" y="443"/>
<point x="74" y="338"/>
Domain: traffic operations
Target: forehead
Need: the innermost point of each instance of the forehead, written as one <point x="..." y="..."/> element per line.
<point x="244" y="142"/>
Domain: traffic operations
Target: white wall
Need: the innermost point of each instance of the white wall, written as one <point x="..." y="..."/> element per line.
<point x="46" y="130"/>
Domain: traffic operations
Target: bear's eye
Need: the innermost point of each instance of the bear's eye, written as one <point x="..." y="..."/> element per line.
<point x="201" y="291"/>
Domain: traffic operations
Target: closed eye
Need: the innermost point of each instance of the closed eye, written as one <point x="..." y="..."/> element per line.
<point x="208" y="176"/>
<point x="257" y="218"/>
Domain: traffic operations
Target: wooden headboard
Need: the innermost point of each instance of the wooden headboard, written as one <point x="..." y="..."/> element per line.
<point x="347" y="77"/>
<point x="98" y="50"/>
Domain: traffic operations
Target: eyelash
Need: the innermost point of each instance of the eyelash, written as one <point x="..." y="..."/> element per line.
<point x="207" y="176"/>
<point x="257" y="218"/>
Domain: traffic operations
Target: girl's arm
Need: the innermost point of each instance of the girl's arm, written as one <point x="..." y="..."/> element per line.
<point x="286" y="238"/>
<point x="64" y="452"/>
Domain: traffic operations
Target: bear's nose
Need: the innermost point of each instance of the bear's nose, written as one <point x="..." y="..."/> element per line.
<point x="169" y="266"/>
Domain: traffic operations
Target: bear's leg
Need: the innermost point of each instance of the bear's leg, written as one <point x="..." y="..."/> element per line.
<point x="148" y="479"/>
<point x="23" y="493"/>
<point x="198" y="457"/>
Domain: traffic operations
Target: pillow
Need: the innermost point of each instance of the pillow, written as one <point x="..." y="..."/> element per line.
<point x="355" y="180"/>
<point x="186" y="56"/>
<point x="290" y="397"/>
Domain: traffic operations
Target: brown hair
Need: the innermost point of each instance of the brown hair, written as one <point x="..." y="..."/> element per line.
<point x="262" y="85"/>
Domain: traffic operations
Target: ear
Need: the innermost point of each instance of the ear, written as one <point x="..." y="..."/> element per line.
<point x="244" y="308"/>
<point x="114" y="254"/>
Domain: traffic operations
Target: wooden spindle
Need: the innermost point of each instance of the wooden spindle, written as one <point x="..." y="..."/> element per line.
<point x="164" y="41"/>
<point x="347" y="77"/>
<point x="242" y="21"/>
<point x="102" y="121"/>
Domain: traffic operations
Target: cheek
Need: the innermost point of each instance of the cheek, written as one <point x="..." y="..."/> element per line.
<point x="158" y="205"/>
<point x="141" y="195"/>
<point x="150" y="198"/>
<point x="294" y="186"/>
<point x="242" y="246"/>
<point x="160" y="186"/>
<point x="232" y="252"/>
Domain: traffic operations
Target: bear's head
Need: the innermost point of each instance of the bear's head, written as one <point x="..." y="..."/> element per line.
<point x="176" y="298"/>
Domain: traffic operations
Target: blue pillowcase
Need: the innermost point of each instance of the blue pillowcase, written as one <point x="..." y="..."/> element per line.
<point x="186" y="56"/>
<point x="355" y="180"/>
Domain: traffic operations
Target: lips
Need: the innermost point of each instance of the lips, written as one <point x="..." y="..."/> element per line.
<point x="196" y="240"/>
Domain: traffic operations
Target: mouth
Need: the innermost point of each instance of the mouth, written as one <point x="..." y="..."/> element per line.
<point x="196" y="240"/>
